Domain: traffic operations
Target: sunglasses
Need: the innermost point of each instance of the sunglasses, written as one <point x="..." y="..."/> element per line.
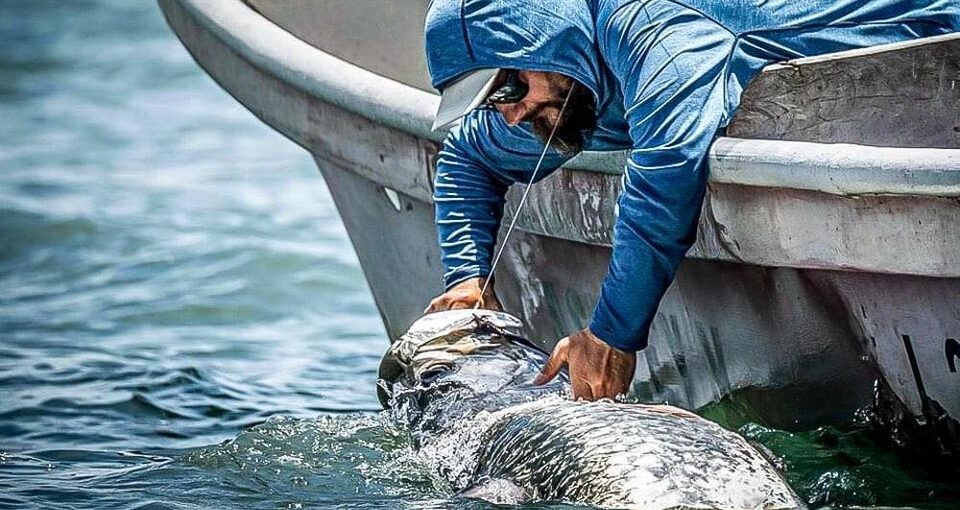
<point x="510" y="89"/>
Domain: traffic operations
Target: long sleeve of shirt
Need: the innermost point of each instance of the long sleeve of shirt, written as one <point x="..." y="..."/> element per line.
<point x="681" y="69"/>
<point x="670" y="71"/>
<point x="479" y="160"/>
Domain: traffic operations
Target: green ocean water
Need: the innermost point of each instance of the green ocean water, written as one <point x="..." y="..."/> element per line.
<point x="183" y="323"/>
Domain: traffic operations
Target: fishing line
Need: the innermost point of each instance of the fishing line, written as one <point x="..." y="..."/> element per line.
<point x="523" y="198"/>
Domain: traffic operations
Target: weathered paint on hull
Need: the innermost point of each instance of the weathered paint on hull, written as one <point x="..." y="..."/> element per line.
<point x="774" y="298"/>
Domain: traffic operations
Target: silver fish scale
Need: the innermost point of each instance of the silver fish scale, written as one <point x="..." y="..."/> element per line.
<point x="617" y="455"/>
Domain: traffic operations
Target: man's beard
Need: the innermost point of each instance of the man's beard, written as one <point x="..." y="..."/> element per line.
<point x="577" y="122"/>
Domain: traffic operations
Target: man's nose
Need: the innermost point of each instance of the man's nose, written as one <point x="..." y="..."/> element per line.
<point x="512" y="113"/>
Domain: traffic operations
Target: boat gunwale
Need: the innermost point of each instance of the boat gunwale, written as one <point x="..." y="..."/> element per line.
<point x="837" y="169"/>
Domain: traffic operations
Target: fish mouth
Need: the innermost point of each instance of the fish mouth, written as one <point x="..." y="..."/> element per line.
<point x="435" y="341"/>
<point x="388" y="373"/>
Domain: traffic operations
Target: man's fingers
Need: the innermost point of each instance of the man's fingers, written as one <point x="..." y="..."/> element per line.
<point x="558" y="358"/>
<point x="582" y="390"/>
<point x="489" y="301"/>
<point x="459" y="305"/>
<point x="490" y="304"/>
<point x="609" y="391"/>
<point x="445" y="303"/>
<point x="435" y="305"/>
<point x="462" y="295"/>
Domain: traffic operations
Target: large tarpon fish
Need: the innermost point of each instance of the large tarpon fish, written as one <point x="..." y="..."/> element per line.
<point x="460" y="382"/>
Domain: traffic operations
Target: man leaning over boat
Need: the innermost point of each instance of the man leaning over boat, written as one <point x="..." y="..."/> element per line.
<point x="657" y="77"/>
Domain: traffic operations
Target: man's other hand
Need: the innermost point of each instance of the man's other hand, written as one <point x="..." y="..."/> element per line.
<point x="596" y="369"/>
<point x="465" y="294"/>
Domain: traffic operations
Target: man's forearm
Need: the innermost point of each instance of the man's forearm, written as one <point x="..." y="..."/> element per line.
<point x="468" y="211"/>
<point x="653" y="232"/>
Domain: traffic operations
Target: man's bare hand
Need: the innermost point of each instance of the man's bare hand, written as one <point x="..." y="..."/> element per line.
<point x="465" y="294"/>
<point x="596" y="369"/>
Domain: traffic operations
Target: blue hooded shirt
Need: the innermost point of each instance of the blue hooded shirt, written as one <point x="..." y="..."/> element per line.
<point x="666" y="75"/>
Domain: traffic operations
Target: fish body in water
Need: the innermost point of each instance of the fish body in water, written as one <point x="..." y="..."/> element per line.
<point x="463" y="379"/>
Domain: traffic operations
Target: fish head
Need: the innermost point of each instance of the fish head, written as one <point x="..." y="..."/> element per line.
<point x="477" y="351"/>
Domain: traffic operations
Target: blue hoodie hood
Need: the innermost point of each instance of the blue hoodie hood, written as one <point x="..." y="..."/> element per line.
<point x="465" y="35"/>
